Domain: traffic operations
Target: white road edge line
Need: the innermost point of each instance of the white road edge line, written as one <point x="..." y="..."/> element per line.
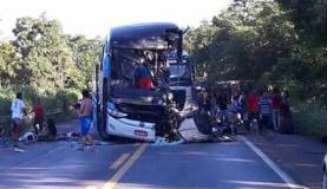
<point x="283" y="175"/>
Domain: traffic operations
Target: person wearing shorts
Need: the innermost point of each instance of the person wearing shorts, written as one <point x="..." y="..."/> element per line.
<point x="85" y="123"/>
<point x="85" y="113"/>
<point x="17" y="115"/>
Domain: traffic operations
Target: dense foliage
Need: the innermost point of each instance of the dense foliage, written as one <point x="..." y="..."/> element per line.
<point x="41" y="61"/>
<point x="269" y="42"/>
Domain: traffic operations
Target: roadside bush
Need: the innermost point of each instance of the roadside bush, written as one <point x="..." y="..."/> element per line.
<point x="5" y="100"/>
<point x="57" y="104"/>
<point x="310" y="119"/>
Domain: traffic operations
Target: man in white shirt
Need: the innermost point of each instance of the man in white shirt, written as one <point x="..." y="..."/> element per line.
<point x="17" y="115"/>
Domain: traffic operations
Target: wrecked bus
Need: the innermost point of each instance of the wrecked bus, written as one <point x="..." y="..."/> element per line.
<point x="143" y="82"/>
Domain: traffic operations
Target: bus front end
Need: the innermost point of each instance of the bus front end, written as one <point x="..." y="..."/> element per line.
<point x="129" y="107"/>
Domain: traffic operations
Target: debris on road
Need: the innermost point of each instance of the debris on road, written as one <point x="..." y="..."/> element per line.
<point x="161" y="141"/>
<point x="16" y="149"/>
<point x="190" y="134"/>
<point x="73" y="135"/>
<point x="28" y="137"/>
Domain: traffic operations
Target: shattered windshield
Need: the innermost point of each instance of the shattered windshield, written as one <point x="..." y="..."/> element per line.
<point x="180" y="74"/>
<point x="131" y="65"/>
<point x="177" y="71"/>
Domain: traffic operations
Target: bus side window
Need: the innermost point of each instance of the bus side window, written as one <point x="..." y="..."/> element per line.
<point x="114" y="65"/>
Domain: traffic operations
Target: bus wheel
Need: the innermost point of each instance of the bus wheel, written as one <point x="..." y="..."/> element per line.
<point x="101" y="127"/>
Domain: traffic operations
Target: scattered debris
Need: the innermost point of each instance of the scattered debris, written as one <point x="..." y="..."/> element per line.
<point x="99" y="142"/>
<point x="226" y="139"/>
<point x="73" y="135"/>
<point x="161" y="141"/>
<point x="28" y="137"/>
<point x="16" y="149"/>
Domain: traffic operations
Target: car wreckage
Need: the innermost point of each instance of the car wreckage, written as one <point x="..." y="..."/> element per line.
<point x="124" y="109"/>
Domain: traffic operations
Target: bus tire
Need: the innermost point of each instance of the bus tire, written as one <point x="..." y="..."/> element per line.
<point x="101" y="127"/>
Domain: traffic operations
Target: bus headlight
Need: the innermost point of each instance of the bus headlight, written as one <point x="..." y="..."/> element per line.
<point x="170" y="96"/>
<point x="113" y="111"/>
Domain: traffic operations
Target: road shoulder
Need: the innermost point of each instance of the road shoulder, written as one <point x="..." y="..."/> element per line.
<point x="298" y="156"/>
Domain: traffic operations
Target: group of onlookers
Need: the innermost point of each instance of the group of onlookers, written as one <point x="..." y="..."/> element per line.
<point x="269" y="108"/>
<point x="47" y="130"/>
<point x="19" y="121"/>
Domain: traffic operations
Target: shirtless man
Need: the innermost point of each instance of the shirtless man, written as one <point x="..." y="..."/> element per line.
<point x="85" y="113"/>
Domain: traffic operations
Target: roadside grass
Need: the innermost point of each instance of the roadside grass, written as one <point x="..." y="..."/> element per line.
<point x="310" y="119"/>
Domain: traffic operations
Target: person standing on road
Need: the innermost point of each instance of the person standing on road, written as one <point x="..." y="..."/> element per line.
<point x="236" y="104"/>
<point x="286" y="125"/>
<point x="39" y="114"/>
<point x="252" y="107"/>
<point x="265" y="111"/>
<point x="275" y="105"/>
<point x="243" y="104"/>
<point x="17" y="114"/>
<point x="85" y="116"/>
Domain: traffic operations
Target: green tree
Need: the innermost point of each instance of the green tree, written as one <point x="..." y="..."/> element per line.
<point x="43" y="61"/>
<point x="267" y="42"/>
<point x="8" y="66"/>
<point x="45" y="55"/>
<point x="85" y="54"/>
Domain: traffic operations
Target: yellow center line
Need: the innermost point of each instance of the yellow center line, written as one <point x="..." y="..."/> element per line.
<point x="119" y="161"/>
<point x="92" y="187"/>
<point x="120" y="173"/>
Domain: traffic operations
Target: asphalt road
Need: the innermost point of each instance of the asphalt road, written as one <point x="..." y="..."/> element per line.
<point x="207" y="165"/>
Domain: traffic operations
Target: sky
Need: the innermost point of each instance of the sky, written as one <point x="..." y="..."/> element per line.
<point x="96" y="17"/>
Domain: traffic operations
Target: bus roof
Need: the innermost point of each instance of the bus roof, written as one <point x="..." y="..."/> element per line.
<point x="142" y="36"/>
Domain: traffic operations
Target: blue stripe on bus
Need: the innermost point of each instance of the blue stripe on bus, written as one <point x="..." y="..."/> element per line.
<point x="106" y="58"/>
